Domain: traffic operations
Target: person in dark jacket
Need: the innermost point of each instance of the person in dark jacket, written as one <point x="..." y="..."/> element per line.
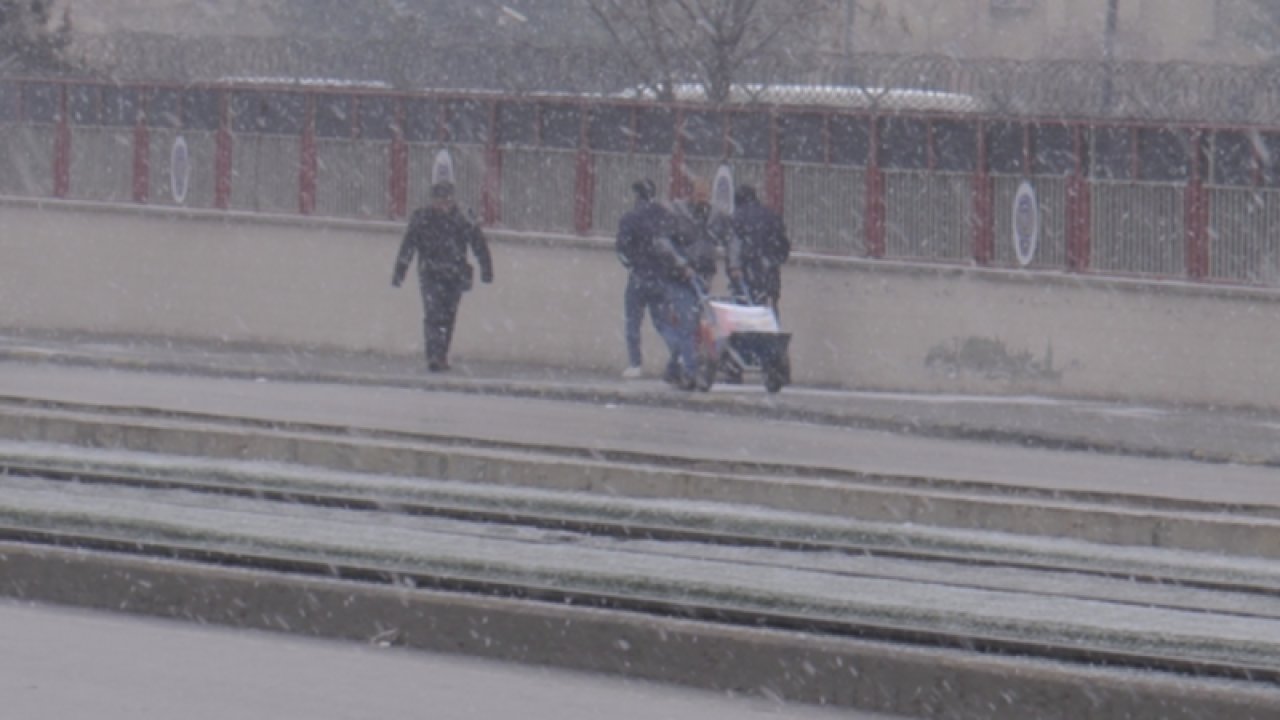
<point x="698" y="232"/>
<point x="440" y="235"/>
<point x="638" y="231"/>
<point x="758" y="247"/>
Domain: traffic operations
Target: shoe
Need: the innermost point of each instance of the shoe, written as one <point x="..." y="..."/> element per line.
<point x="671" y="375"/>
<point x="635" y="372"/>
<point x="436" y="366"/>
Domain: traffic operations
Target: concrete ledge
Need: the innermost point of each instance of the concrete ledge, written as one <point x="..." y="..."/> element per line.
<point x="792" y="666"/>
<point x="844" y="493"/>
<point x="939" y="270"/>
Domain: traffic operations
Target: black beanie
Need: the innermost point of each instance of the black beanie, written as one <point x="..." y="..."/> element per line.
<point x="645" y="189"/>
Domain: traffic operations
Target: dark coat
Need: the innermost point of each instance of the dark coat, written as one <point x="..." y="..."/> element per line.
<point x="639" y="232"/>
<point x="696" y="237"/>
<point x="759" y="246"/>
<point x="440" y="238"/>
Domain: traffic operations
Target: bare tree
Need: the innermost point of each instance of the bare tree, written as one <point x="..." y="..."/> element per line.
<point x="1258" y="23"/>
<point x="30" y="41"/>
<point x="711" y="42"/>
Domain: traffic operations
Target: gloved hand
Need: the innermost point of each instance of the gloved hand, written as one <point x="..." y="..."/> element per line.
<point x="486" y="277"/>
<point x="396" y="279"/>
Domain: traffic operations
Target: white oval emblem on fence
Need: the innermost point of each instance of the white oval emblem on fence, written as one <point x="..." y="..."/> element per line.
<point x="722" y="191"/>
<point x="179" y="170"/>
<point x="1026" y="223"/>
<point x="442" y="168"/>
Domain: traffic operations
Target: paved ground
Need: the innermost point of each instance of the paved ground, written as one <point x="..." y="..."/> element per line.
<point x="1195" y="454"/>
<point x="73" y="664"/>
<point x="1218" y="435"/>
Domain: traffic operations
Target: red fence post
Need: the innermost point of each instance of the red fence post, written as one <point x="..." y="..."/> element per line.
<point x="875" y="208"/>
<point x="774" y="181"/>
<point x="62" y="147"/>
<point x="398" y="187"/>
<point x="1079" y="210"/>
<point x="1196" y="215"/>
<point x="308" y="168"/>
<point x="142" y="156"/>
<point x="678" y="179"/>
<point x="1079" y="217"/>
<point x="491" y="192"/>
<point x="984" y="232"/>
<point x="222" y="156"/>
<point x="584" y="192"/>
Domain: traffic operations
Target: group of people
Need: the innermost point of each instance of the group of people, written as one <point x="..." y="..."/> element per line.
<point x="670" y="251"/>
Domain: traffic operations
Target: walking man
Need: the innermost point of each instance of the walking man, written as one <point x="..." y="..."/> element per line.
<point x="638" y="231"/>
<point x="440" y="235"/>
<point x="758" y="247"/>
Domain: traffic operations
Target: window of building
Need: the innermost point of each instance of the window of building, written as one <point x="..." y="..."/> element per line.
<point x="801" y="138"/>
<point x="377" y="117"/>
<point x="82" y="104"/>
<point x="518" y="124"/>
<point x="904" y="143"/>
<point x="1012" y="8"/>
<point x="955" y="145"/>
<point x="468" y="121"/>
<point x="1112" y="153"/>
<point x="201" y="109"/>
<point x="8" y="102"/>
<point x="1005" y="142"/>
<point x="1164" y="154"/>
<point x="120" y="106"/>
<point x="610" y="129"/>
<point x="1232" y="159"/>
<point x="703" y="133"/>
<point x="561" y="126"/>
<point x="750" y="135"/>
<point x="1053" y="150"/>
<point x="267" y="113"/>
<point x="655" y="130"/>
<point x="40" y="102"/>
<point x="333" y="116"/>
<point x="850" y="139"/>
<point x="421" y="120"/>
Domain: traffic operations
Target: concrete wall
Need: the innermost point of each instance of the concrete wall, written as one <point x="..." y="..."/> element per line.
<point x="557" y="302"/>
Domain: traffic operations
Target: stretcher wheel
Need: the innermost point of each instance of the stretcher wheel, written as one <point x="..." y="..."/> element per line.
<point x="773" y="380"/>
<point x="777" y="373"/>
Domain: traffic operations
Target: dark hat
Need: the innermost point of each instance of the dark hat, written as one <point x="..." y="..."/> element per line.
<point x="442" y="190"/>
<point x="645" y="189"/>
<point x="745" y="194"/>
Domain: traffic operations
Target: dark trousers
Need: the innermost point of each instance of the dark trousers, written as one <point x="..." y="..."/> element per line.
<point x="440" y="300"/>
<point x="765" y="284"/>
<point x="641" y="294"/>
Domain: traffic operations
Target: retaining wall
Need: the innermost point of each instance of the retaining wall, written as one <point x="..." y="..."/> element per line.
<point x="290" y="281"/>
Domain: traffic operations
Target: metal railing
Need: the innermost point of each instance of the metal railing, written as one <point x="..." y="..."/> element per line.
<point x="1199" y="202"/>
<point x="1175" y="91"/>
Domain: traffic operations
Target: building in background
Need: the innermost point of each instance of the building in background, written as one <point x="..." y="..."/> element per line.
<point x="1203" y="31"/>
<point x="243" y="18"/>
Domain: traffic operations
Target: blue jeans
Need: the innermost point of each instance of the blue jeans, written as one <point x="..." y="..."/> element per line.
<point x="641" y="294"/>
<point x="679" y="326"/>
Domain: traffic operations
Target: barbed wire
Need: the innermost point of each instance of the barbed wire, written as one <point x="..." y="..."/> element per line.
<point x="1175" y="91"/>
<point x="1172" y="92"/>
